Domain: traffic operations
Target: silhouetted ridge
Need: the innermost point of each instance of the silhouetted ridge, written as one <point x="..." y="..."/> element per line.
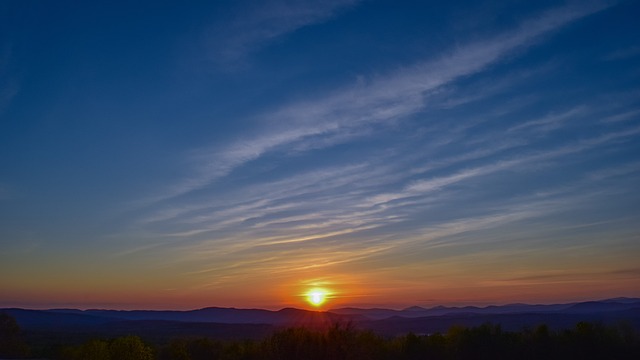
<point x="415" y="318"/>
<point x="414" y="308"/>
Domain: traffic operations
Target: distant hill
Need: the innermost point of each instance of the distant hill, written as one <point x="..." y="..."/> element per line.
<point x="511" y="322"/>
<point x="253" y="323"/>
<point x="617" y="304"/>
<point x="82" y="318"/>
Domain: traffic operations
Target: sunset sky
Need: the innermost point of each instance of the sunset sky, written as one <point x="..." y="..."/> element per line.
<point x="158" y="155"/>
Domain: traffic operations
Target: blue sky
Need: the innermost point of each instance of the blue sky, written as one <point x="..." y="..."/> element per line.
<point x="237" y="153"/>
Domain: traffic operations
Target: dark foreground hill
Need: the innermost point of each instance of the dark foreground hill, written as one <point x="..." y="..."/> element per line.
<point x="583" y="341"/>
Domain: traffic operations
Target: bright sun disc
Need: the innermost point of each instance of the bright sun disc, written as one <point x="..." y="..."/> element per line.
<point x="316" y="296"/>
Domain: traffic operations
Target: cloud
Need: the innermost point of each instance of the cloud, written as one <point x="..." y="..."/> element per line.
<point x="616" y="171"/>
<point x="455" y="96"/>
<point x="625" y="53"/>
<point x="323" y="204"/>
<point x="626" y="116"/>
<point x="263" y="22"/>
<point x="632" y="272"/>
<point x="343" y="210"/>
<point x="551" y="121"/>
<point x="422" y="187"/>
<point x="438" y="177"/>
<point x="250" y="203"/>
<point x="566" y="276"/>
<point x="382" y="100"/>
<point x="283" y="254"/>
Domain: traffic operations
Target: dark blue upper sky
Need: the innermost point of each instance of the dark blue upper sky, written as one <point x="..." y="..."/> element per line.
<point x="157" y="154"/>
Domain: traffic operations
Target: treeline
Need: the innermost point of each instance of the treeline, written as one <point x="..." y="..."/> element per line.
<point x="340" y="341"/>
<point x="585" y="341"/>
<point x="12" y="344"/>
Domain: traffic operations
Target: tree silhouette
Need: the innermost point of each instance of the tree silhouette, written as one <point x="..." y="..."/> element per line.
<point x="339" y="341"/>
<point x="130" y="348"/>
<point x="11" y="342"/>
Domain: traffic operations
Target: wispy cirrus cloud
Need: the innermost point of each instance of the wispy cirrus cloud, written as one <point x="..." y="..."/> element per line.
<point x="350" y="111"/>
<point x="322" y="205"/>
<point x="445" y="171"/>
<point x="626" y="116"/>
<point x="551" y="121"/>
<point x="319" y="207"/>
<point x="260" y="23"/>
<point x="283" y="254"/>
<point x="625" y="53"/>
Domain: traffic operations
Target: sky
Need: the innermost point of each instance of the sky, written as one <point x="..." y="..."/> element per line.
<point x="157" y="155"/>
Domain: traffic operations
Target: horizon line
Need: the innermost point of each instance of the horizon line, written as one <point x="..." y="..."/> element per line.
<point x="373" y="307"/>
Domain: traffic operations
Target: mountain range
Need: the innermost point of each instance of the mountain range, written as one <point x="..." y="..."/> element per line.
<point x="253" y="323"/>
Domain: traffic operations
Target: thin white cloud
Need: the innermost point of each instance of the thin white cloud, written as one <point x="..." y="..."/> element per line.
<point x="551" y="121"/>
<point x="616" y="171"/>
<point x="261" y="23"/>
<point x="253" y="197"/>
<point x="316" y="206"/>
<point x="625" y="53"/>
<point x="455" y="96"/>
<point x="295" y="211"/>
<point x="236" y="260"/>
<point x="422" y="187"/>
<point x="625" y="116"/>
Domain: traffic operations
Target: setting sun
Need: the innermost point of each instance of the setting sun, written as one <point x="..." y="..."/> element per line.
<point x="317" y="297"/>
